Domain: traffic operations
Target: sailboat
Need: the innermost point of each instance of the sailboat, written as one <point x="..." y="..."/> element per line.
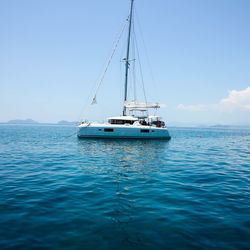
<point x="135" y="121"/>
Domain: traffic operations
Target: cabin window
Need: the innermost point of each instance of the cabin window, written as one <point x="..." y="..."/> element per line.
<point x="120" y="122"/>
<point x="100" y="129"/>
<point x="108" y="130"/>
<point x="116" y="121"/>
<point x="153" y="131"/>
<point x="144" y="130"/>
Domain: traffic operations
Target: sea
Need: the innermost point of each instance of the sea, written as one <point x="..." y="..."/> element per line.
<point x="60" y="192"/>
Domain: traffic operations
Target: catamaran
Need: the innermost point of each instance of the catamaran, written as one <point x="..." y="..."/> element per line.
<point x="135" y="121"/>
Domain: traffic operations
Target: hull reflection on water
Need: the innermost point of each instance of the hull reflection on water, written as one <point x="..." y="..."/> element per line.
<point x="126" y="153"/>
<point x="127" y="168"/>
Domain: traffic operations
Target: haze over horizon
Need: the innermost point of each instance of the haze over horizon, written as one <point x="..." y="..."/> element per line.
<point x="54" y="52"/>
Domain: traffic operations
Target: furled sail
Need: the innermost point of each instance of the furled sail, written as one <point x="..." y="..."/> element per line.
<point x="140" y="106"/>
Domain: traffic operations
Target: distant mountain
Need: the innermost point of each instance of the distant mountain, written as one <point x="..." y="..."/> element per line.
<point x="221" y="126"/>
<point x="66" y="123"/>
<point x="236" y="126"/>
<point x="30" y="121"/>
<point x="27" y="121"/>
<point x="184" y="124"/>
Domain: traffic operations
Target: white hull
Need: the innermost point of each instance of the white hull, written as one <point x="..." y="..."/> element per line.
<point x="95" y="130"/>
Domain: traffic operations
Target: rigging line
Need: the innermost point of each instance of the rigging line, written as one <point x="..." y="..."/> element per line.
<point x="143" y="87"/>
<point x="146" y="51"/>
<point x="68" y="136"/>
<point x="107" y="66"/>
<point x="92" y="88"/>
<point x="134" y="72"/>
<point x="110" y="59"/>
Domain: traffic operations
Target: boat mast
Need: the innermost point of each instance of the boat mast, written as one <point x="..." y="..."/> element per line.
<point x="127" y="57"/>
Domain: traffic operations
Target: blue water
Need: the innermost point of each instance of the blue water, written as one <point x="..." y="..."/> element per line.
<point x="58" y="192"/>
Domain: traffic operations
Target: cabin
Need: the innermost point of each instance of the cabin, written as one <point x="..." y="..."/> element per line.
<point x="154" y="121"/>
<point x="122" y="120"/>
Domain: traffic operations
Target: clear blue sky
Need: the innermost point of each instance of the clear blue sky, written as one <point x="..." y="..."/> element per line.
<point x="52" y="53"/>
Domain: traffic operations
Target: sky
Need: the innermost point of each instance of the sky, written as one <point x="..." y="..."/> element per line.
<point x="195" y="58"/>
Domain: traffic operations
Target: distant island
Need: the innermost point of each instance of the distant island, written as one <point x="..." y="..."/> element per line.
<point x="27" y="121"/>
<point x="170" y="124"/>
<point x="67" y="123"/>
<point x="32" y="122"/>
<point x="221" y="126"/>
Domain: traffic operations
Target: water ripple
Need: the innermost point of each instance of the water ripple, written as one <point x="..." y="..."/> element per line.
<point x="64" y="193"/>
